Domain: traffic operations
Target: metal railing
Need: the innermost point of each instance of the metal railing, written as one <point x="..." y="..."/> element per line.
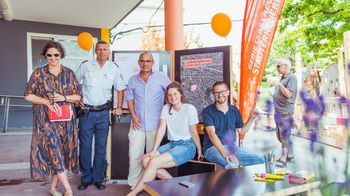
<point x="6" y="102"/>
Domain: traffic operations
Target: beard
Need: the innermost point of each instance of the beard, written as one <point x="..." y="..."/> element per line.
<point x="221" y="100"/>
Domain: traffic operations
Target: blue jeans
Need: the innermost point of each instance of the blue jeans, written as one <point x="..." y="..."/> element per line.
<point x="96" y="123"/>
<point x="244" y="156"/>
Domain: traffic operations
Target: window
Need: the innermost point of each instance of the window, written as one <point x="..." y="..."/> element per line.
<point x="74" y="54"/>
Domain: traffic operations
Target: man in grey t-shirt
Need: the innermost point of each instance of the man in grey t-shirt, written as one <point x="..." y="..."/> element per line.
<point x="284" y="99"/>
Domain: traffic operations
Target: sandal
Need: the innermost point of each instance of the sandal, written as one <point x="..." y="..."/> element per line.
<point x="289" y="158"/>
<point x="70" y="193"/>
<point x="281" y="163"/>
<point x="55" y="193"/>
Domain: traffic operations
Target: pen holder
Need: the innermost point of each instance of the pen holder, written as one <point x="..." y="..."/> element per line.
<point x="269" y="164"/>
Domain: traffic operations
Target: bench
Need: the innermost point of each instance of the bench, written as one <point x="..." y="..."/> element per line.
<point x="196" y="167"/>
<point x="193" y="166"/>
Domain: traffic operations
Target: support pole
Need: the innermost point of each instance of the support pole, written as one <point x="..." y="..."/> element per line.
<point x="174" y="38"/>
<point x="6" y="114"/>
<point x="347" y="61"/>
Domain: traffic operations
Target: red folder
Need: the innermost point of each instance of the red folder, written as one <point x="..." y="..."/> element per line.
<point x="65" y="113"/>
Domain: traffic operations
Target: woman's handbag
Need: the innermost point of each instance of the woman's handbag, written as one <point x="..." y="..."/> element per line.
<point x="65" y="113"/>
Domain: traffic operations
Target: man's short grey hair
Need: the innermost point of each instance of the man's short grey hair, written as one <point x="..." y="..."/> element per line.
<point x="146" y="52"/>
<point x="283" y="61"/>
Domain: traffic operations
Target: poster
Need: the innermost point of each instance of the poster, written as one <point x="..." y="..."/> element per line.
<point x="198" y="69"/>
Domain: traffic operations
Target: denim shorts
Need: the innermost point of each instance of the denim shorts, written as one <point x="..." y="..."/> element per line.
<point x="181" y="151"/>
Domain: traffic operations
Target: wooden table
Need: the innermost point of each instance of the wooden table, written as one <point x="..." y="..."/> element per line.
<point x="227" y="182"/>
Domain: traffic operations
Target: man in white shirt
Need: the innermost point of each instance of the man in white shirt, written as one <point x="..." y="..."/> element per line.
<point x="97" y="79"/>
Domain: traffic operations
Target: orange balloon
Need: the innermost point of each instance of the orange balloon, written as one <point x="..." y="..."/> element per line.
<point x="221" y="24"/>
<point x="85" y="40"/>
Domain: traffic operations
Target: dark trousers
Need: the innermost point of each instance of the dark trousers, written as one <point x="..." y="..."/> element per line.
<point x="95" y="124"/>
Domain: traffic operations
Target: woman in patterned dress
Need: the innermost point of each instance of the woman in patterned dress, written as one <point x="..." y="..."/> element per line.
<point x="54" y="144"/>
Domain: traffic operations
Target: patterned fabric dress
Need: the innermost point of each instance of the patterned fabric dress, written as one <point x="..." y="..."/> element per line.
<point x="54" y="144"/>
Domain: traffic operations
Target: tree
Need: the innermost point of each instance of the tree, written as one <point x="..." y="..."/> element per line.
<point x="314" y="28"/>
<point x="154" y="40"/>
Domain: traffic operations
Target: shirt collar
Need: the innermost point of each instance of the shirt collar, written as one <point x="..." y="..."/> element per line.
<point x="46" y="69"/>
<point x="230" y="107"/>
<point x="151" y="75"/>
<point x="98" y="65"/>
<point x="284" y="76"/>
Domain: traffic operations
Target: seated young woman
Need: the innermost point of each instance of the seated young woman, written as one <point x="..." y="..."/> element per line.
<point x="181" y="121"/>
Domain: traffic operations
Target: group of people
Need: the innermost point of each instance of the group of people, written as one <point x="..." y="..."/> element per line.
<point x="54" y="144"/>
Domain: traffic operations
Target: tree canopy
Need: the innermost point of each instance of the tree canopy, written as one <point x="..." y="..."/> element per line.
<point x="314" y="28"/>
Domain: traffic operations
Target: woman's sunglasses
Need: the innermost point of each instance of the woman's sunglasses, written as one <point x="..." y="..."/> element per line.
<point x="50" y="55"/>
<point x="278" y="66"/>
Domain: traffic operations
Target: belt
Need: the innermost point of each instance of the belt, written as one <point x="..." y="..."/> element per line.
<point x="98" y="108"/>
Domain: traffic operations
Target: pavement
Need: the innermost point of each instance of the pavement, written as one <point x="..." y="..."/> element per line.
<point x="15" y="173"/>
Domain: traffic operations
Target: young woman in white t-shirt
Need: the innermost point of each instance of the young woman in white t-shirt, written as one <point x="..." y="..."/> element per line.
<point x="180" y="119"/>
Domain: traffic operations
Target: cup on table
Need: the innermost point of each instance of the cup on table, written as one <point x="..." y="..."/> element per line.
<point x="269" y="164"/>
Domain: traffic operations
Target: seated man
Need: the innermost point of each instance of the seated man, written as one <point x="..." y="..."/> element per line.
<point x="221" y="121"/>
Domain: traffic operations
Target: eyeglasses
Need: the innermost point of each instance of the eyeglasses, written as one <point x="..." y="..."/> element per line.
<point x="50" y="55"/>
<point x="145" y="61"/>
<point x="219" y="92"/>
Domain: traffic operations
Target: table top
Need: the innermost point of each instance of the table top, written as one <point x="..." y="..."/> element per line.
<point x="238" y="181"/>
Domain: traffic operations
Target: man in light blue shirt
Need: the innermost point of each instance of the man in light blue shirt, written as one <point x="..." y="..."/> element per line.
<point x="97" y="79"/>
<point x="145" y="97"/>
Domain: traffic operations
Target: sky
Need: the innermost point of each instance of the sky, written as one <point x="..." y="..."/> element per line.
<point x="195" y="11"/>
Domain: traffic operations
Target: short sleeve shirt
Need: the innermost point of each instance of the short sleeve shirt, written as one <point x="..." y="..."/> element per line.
<point x="179" y="122"/>
<point x="225" y="124"/>
<point x="284" y="105"/>
<point x="148" y="98"/>
<point x="97" y="82"/>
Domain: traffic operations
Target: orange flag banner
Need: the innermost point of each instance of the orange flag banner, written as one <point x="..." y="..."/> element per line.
<point x="259" y="26"/>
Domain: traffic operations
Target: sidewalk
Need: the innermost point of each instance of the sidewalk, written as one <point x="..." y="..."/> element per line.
<point x="15" y="172"/>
